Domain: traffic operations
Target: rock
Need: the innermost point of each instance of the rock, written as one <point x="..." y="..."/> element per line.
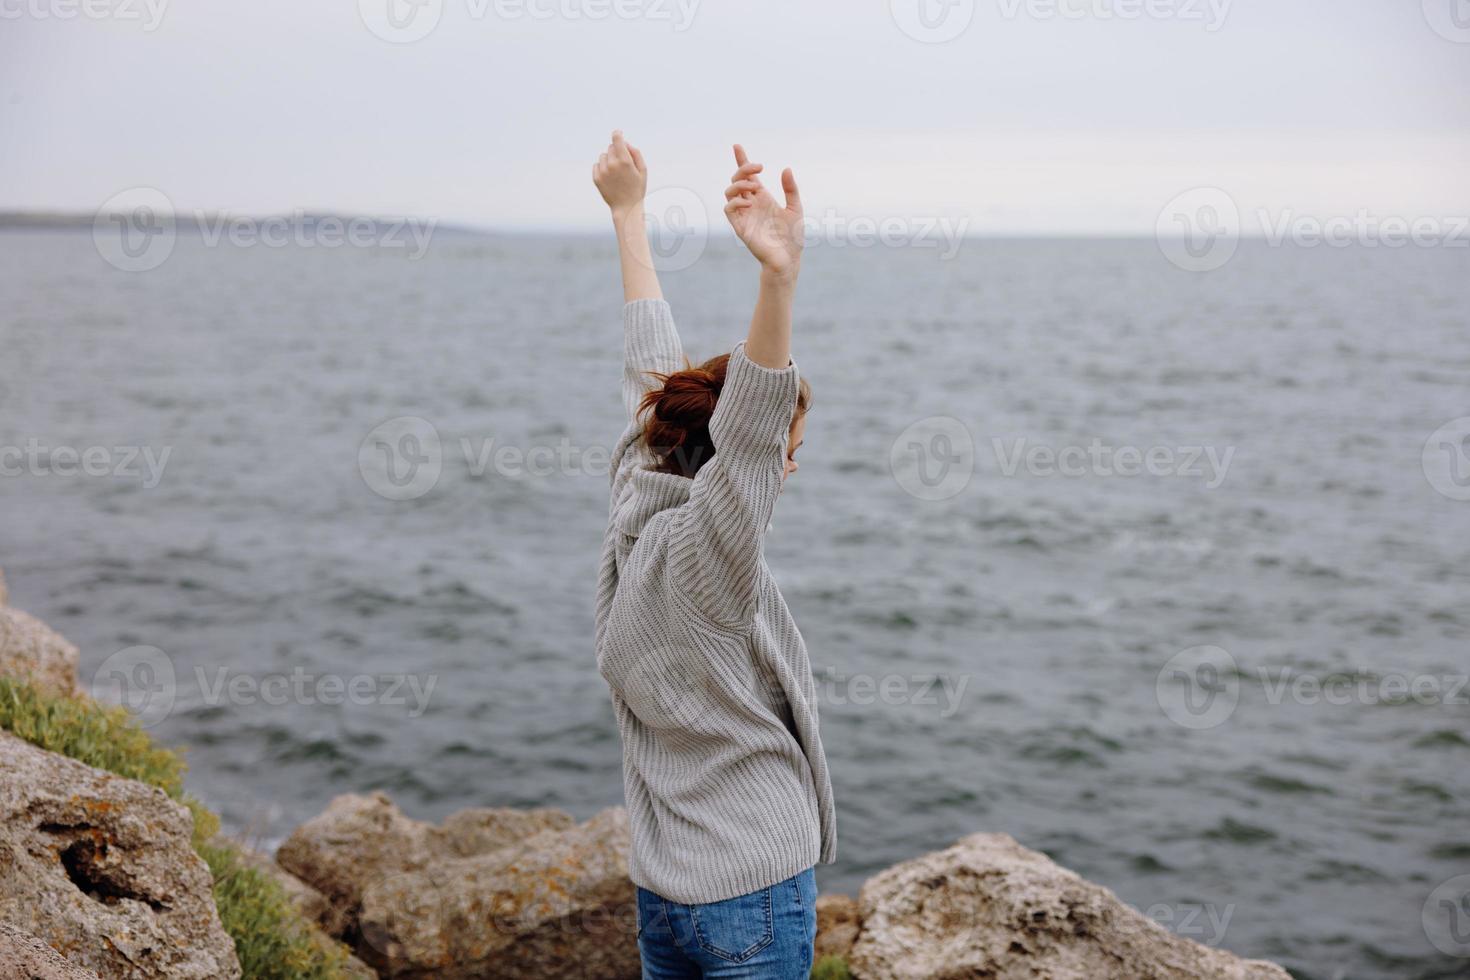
<point x="838" y="919"/>
<point x="361" y="839"/>
<point x="101" y="869"/>
<point x="4" y="592"/>
<point x="32" y="651"/>
<point x="989" y="907"/>
<point x="481" y="831"/>
<point x="24" y="957"/>
<point x="557" y="904"/>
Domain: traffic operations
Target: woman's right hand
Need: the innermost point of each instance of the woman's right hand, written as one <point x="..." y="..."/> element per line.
<point x="774" y="234"/>
<point x="620" y="175"/>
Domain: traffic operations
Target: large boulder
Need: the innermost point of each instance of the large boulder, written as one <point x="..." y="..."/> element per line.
<point x="34" y="652"/>
<point x="989" y="907"/>
<point x="24" y="957"/>
<point x="556" y="904"/>
<point x="358" y="840"/>
<point x="838" y="920"/>
<point x="101" y="869"/>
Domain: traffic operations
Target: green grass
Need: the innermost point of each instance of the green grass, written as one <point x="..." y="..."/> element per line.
<point x="272" y="940"/>
<point x="831" y="968"/>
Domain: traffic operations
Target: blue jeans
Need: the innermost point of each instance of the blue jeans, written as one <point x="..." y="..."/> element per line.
<point x="766" y="935"/>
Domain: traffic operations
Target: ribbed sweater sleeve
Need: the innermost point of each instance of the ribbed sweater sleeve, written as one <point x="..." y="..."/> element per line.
<point x="650" y="343"/>
<point x="715" y="541"/>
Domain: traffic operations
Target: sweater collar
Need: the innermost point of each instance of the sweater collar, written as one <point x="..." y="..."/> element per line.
<point x="649" y="493"/>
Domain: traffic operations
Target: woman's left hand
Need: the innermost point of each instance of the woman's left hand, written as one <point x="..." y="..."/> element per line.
<point x="620" y="175"/>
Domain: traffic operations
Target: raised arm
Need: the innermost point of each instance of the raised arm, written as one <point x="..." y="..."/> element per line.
<point x="650" y="339"/>
<point x="774" y="235"/>
<point x="715" y="542"/>
<point x="622" y="178"/>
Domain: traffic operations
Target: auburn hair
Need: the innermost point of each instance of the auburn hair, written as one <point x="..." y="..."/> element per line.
<point x="678" y="412"/>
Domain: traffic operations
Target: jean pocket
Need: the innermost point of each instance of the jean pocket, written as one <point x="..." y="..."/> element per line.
<point x="735" y="929"/>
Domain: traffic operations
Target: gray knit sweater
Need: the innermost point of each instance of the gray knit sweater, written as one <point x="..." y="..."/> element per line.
<point x="723" y="769"/>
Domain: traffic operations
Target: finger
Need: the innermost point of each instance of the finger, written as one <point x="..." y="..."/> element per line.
<point x="747" y="170"/>
<point x="740" y="157"/>
<point x="788" y="187"/>
<point x="602" y="160"/>
<point x="637" y="159"/>
<point x="619" y="148"/>
<point x="738" y="204"/>
<point x="742" y="187"/>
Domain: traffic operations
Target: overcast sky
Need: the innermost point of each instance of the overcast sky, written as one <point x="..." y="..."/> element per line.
<point x="1035" y="116"/>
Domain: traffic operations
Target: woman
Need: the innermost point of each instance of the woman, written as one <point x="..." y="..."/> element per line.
<point x="728" y="795"/>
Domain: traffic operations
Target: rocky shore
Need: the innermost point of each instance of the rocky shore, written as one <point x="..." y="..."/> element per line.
<point x="101" y="877"/>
